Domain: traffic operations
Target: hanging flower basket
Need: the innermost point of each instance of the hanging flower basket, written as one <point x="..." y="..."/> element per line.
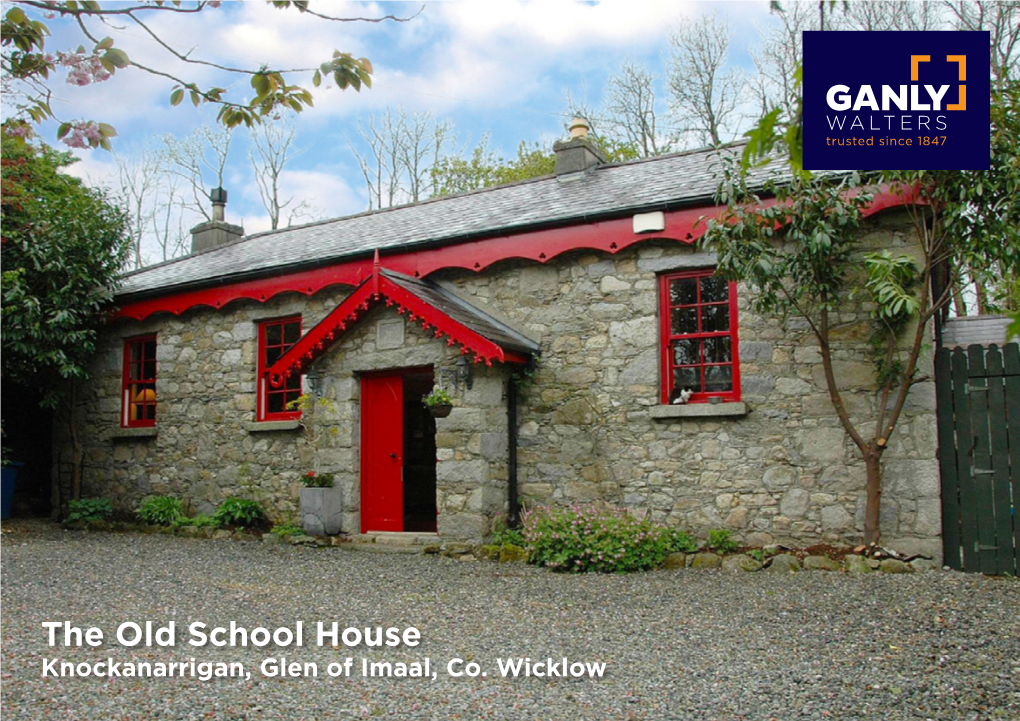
<point x="439" y="403"/>
<point x="440" y="410"/>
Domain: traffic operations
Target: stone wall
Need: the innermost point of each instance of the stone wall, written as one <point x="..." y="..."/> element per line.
<point x="784" y="472"/>
<point x="591" y="425"/>
<point x="207" y="447"/>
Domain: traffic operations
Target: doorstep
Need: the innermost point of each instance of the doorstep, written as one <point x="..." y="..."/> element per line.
<point x="391" y="542"/>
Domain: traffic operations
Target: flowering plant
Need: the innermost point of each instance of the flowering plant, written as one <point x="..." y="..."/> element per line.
<point x="593" y="538"/>
<point x="318" y="480"/>
<point x="437" y="397"/>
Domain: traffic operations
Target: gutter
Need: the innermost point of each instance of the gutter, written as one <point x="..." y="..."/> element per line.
<point x="296" y="267"/>
<point x="513" y="515"/>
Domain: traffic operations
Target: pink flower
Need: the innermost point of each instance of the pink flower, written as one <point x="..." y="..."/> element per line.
<point x="21" y="130"/>
<point x="83" y="69"/>
<point x="83" y="134"/>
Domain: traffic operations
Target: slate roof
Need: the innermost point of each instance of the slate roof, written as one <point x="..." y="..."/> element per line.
<point x="683" y="179"/>
<point x="464" y="313"/>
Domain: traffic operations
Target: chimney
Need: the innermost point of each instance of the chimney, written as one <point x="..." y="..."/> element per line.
<point x="217" y="231"/>
<point x="578" y="153"/>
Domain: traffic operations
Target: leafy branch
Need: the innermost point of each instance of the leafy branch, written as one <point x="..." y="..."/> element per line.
<point x="27" y="66"/>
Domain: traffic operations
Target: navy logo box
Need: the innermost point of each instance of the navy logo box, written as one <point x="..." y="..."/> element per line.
<point x="896" y="100"/>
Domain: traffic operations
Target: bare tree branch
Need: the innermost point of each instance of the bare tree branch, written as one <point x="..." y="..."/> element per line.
<point x="704" y="91"/>
<point x="630" y="109"/>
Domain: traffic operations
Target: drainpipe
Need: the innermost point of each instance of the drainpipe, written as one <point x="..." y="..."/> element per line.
<point x="511" y="430"/>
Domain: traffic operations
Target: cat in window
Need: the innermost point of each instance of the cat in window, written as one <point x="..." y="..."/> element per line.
<point x="680" y="396"/>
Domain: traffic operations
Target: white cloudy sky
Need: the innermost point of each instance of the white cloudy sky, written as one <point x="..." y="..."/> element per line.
<point x="502" y="67"/>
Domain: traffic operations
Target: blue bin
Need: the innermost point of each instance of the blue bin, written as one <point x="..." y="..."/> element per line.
<point x="8" y="474"/>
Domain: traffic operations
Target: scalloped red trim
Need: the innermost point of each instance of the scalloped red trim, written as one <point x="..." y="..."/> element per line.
<point x="373" y="291"/>
<point x="609" y="236"/>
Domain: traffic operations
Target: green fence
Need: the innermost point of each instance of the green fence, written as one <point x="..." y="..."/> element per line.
<point x="979" y="456"/>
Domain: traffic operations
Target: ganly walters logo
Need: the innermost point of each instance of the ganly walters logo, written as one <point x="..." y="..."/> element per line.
<point x="896" y="100"/>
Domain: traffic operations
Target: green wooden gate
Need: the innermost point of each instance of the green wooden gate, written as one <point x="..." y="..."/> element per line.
<point x="979" y="456"/>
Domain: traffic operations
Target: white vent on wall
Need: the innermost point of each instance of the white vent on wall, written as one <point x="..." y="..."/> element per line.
<point x="649" y="222"/>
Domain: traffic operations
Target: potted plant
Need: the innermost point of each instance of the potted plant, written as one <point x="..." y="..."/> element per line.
<point x="439" y="403"/>
<point x="321" y="505"/>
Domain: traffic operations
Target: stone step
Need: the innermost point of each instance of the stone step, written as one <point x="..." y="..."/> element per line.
<point x="375" y="548"/>
<point x="383" y="542"/>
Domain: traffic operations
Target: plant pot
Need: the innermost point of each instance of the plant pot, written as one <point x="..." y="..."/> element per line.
<point x="7" y="479"/>
<point x="440" y="410"/>
<point x="320" y="511"/>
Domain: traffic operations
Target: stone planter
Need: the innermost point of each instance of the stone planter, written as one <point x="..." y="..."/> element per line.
<point x="320" y="511"/>
<point x="440" y="410"/>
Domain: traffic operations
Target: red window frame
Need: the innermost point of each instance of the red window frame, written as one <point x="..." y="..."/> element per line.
<point x="697" y="310"/>
<point x="138" y="383"/>
<point x="272" y="345"/>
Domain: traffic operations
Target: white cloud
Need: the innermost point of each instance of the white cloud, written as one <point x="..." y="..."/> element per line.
<point x="561" y="24"/>
<point x="499" y="66"/>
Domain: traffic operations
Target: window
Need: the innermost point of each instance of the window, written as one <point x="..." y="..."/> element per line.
<point x="698" y="314"/>
<point x="138" y="389"/>
<point x="275" y="338"/>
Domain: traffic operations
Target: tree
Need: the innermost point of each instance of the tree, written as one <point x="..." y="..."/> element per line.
<point x="272" y="146"/>
<point x="380" y="165"/>
<point x="138" y="184"/>
<point x="398" y="153"/>
<point x="630" y="110"/>
<point x="63" y="245"/>
<point x="776" y="87"/>
<point x="801" y="255"/>
<point x="455" y="174"/>
<point x="884" y="15"/>
<point x="153" y="201"/>
<point x="27" y="65"/>
<point x="486" y="168"/>
<point x="199" y="161"/>
<point x="423" y="141"/>
<point x="1002" y="21"/>
<point x="704" y="93"/>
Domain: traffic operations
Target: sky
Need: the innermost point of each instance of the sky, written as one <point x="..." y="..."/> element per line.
<point x="497" y="67"/>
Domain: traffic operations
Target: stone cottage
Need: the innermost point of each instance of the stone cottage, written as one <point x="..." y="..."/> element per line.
<point x="564" y="315"/>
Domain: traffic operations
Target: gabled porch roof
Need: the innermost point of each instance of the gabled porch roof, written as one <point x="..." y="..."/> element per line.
<point x="420" y="301"/>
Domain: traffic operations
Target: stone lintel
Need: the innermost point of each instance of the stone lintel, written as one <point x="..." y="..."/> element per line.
<point x="267" y="426"/>
<point x="128" y="433"/>
<point x="699" y="410"/>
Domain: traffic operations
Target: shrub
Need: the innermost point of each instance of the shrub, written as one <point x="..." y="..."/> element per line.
<point x="240" y="512"/>
<point x="587" y="538"/>
<point x="719" y="540"/>
<point x="88" y="509"/>
<point x="503" y="535"/>
<point x="286" y="530"/>
<point x="679" y="541"/>
<point x="199" y="521"/>
<point x="318" y="480"/>
<point x="161" y="510"/>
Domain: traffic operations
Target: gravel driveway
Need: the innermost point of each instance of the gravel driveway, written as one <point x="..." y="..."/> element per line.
<point x="676" y="644"/>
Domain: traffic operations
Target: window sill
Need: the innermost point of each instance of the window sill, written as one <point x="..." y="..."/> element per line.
<point x="699" y="410"/>
<point x="269" y="426"/>
<point x="140" y="432"/>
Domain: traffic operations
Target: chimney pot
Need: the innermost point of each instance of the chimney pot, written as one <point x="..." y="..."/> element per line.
<point x="218" y="196"/>
<point x="217" y="231"/>
<point x="579" y="128"/>
<point x="578" y="153"/>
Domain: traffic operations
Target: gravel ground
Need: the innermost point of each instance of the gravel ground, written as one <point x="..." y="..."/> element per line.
<point x="676" y="644"/>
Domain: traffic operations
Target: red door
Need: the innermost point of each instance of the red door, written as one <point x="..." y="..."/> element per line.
<point x="382" y="452"/>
